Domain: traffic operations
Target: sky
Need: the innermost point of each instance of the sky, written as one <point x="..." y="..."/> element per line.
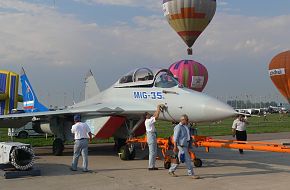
<point x="57" y="42"/>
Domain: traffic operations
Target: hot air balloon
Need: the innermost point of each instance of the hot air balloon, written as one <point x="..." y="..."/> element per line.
<point x="9" y="97"/>
<point x="279" y="71"/>
<point x="189" y="18"/>
<point x="191" y="74"/>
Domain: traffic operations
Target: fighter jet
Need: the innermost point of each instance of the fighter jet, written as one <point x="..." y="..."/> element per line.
<point x="119" y="110"/>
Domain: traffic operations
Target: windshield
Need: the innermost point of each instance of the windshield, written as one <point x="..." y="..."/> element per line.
<point x="165" y="80"/>
<point x="139" y="75"/>
<point x="143" y="74"/>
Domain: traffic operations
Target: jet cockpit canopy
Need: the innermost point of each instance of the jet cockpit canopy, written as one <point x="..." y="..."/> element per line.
<point x="144" y="77"/>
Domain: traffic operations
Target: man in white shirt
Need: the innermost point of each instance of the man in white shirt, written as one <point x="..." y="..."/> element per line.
<point x="152" y="137"/>
<point x="239" y="129"/>
<point x="82" y="135"/>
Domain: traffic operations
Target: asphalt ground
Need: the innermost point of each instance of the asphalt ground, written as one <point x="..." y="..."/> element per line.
<point x="222" y="169"/>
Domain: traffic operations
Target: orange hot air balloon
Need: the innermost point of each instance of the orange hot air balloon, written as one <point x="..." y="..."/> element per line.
<point x="279" y="71"/>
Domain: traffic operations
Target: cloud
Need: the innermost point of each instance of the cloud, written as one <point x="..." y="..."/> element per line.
<point x="149" y="4"/>
<point x="223" y="3"/>
<point x="47" y="36"/>
<point x="22" y="6"/>
<point x="241" y="35"/>
<point x="237" y="34"/>
<point x="111" y="2"/>
<point x="47" y="41"/>
<point x="36" y="32"/>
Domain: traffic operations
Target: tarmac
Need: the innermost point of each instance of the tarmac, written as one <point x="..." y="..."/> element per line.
<point x="222" y="169"/>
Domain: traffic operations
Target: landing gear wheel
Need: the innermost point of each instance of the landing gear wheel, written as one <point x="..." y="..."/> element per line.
<point x="57" y="147"/>
<point x="22" y="158"/>
<point x="127" y="153"/>
<point x="23" y="135"/>
<point x="167" y="165"/>
<point x="119" y="143"/>
<point x="197" y="162"/>
<point x="124" y="153"/>
<point x="132" y="154"/>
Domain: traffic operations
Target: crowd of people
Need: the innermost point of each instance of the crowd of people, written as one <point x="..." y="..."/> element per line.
<point x="182" y="137"/>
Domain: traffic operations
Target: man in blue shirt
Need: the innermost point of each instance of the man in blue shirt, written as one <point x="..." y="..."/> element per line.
<point x="181" y="139"/>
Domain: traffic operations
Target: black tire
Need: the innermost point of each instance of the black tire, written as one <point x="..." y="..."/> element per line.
<point x="23" y="135"/>
<point x="197" y="162"/>
<point x="125" y="153"/>
<point x="57" y="147"/>
<point x="119" y="143"/>
<point x="22" y="158"/>
<point x="132" y="154"/>
<point x="167" y="165"/>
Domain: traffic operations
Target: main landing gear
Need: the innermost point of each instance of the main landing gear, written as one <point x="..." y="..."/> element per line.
<point x="58" y="147"/>
<point x="124" y="150"/>
<point x="127" y="152"/>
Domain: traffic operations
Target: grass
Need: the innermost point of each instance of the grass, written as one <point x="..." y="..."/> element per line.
<point x="257" y="125"/>
<point x="165" y="129"/>
<point x="41" y="141"/>
<point x="34" y="141"/>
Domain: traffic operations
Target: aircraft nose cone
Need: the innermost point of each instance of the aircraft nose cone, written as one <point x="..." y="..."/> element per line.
<point x="218" y="110"/>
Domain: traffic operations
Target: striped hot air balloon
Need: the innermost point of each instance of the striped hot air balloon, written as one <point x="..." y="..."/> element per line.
<point x="279" y="71"/>
<point x="191" y="74"/>
<point x="189" y="18"/>
<point x="8" y="92"/>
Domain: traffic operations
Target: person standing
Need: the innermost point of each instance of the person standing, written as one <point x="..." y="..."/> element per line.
<point x="239" y="129"/>
<point x="181" y="139"/>
<point x="280" y="115"/>
<point x="265" y="116"/>
<point x="152" y="136"/>
<point x="82" y="136"/>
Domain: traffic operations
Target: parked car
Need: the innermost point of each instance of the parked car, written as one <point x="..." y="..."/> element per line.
<point x="24" y="132"/>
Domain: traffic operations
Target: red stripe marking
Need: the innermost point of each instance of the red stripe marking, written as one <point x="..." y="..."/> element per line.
<point x="189" y="33"/>
<point x="110" y="127"/>
<point x="141" y="130"/>
<point x="28" y="107"/>
<point x="188" y="13"/>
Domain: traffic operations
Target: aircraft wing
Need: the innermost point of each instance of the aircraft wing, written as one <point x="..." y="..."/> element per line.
<point x="101" y="109"/>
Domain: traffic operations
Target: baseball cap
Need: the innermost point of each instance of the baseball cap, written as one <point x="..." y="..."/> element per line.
<point x="77" y="117"/>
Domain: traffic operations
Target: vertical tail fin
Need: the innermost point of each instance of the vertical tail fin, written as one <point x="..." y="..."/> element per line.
<point x="30" y="101"/>
<point x="91" y="88"/>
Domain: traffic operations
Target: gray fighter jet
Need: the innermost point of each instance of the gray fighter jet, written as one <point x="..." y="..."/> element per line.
<point x="119" y="111"/>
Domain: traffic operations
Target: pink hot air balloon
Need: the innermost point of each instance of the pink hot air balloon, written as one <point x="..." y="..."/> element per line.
<point x="191" y="74"/>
